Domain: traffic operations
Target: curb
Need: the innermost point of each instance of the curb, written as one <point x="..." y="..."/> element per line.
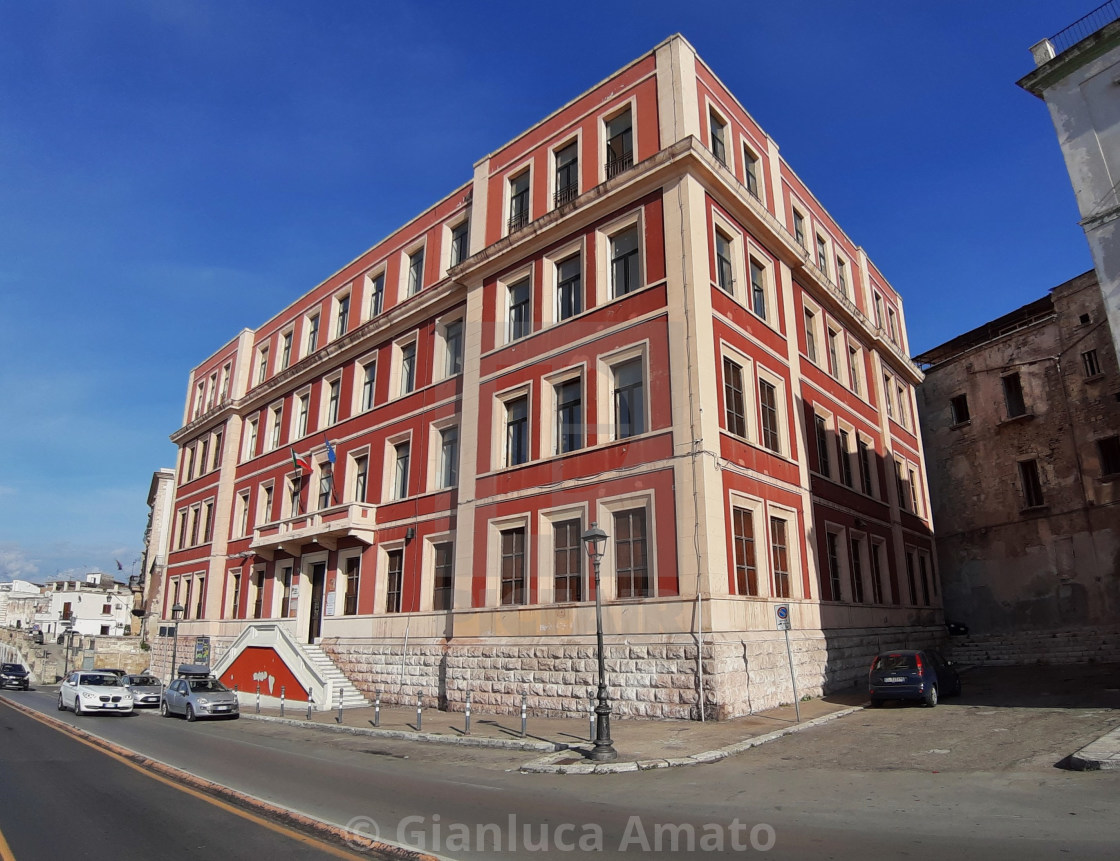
<point x="551" y="765"/>
<point x="353" y="840"/>
<point x="402" y="735"/>
<point x="1100" y="755"/>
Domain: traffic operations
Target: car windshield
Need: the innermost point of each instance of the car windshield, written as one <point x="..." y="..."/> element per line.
<point x="145" y="681"/>
<point x="890" y="663"/>
<point x="100" y="681"/>
<point x="207" y="686"/>
<point x="12" y="668"/>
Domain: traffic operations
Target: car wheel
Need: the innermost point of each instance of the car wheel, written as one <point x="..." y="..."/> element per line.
<point x="190" y="712"/>
<point x="163" y="710"/>
<point x="61" y="704"/>
<point x="77" y="706"/>
<point x="930" y="699"/>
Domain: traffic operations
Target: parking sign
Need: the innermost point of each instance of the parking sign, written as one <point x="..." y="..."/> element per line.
<point x="782" y="613"/>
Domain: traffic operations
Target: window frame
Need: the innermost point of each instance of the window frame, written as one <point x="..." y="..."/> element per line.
<point x="444" y="343"/>
<point x="374" y="304"/>
<point x="412" y="270"/>
<point x="393" y="483"/>
<point x="518" y="203"/>
<point x="570" y="191"/>
<point x="609" y="167"/>
<point x="403" y="380"/>
<point x="608" y="363"/>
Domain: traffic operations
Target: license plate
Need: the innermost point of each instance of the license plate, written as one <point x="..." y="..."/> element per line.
<point x="221" y="708"/>
<point x="894" y="679"/>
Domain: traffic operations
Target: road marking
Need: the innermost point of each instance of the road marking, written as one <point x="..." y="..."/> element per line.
<point x="5" y="852"/>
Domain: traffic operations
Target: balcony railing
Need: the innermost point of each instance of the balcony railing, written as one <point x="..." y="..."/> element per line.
<point x="517" y="221"/>
<point x="618" y="164"/>
<point x="1084" y="27"/>
<point x="563" y="195"/>
<point x="324" y="527"/>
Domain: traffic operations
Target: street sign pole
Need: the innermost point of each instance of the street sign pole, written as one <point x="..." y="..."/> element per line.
<point x="784" y="624"/>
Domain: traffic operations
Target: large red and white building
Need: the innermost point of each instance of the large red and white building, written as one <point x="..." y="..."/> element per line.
<point x="633" y="314"/>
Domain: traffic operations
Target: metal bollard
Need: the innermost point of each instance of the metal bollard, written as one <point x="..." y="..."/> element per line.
<point x="310" y="702"/>
<point x="591" y="718"/>
<point x="377" y="708"/>
<point x="523" y="698"/>
<point x="258" y="697"/>
<point x="281" y="701"/>
<point x="467" y="727"/>
<point x="419" y="711"/>
<point x="339" y="718"/>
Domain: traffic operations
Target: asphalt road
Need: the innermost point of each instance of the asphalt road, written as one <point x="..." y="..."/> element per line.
<point x="63" y="798"/>
<point x="973" y="778"/>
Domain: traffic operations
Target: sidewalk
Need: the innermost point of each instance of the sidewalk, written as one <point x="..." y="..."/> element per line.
<point x="641" y="744"/>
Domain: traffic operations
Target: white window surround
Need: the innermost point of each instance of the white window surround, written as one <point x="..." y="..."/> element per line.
<point x="549" y="439"/>
<point x="769" y="288"/>
<point x="750" y="412"/>
<point x="751" y="153"/>
<point x="381" y="578"/>
<point x="604" y="512"/>
<point x="301" y="414"/>
<point x="352" y="457"/>
<point x="877" y="554"/>
<point x="233" y="575"/>
<point x="357" y="395"/>
<point x="604" y="287"/>
<point x="339" y="299"/>
<point x="864" y="567"/>
<point x="264" y="509"/>
<point x="546" y="545"/>
<point x="798" y="208"/>
<point x="781" y="407"/>
<point x="498" y="431"/>
<point x="249" y="439"/>
<point x="432" y="474"/>
<point x="818" y="235"/>
<point x="842" y="550"/>
<point x="604" y="378"/>
<point x="305" y="348"/>
<point x="562" y="144"/>
<point x="760" y="530"/>
<point x="325" y="400"/>
<point x="447" y="235"/>
<point x="549" y="314"/>
<point x="793" y="548"/>
<point x="714" y="109"/>
<point x="494" y="530"/>
<point x="818" y="331"/>
<point x="739" y="282"/>
<point x="389" y="472"/>
<point x="406" y="269"/>
<point x="396" y="379"/>
<point x="367" y="310"/>
<point x="840" y="372"/>
<point x="262" y="368"/>
<point x="502" y="324"/>
<point x="439" y="360"/>
<point x="514" y="172"/>
<point x="428" y="568"/>
<point x="340" y="580"/>
<point x="829" y="420"/>
<point x="275" y="420"/>
<point x="851" y="453"/>
<point x="601" y="121"/>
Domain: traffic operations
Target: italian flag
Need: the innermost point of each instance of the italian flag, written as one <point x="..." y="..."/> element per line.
<point x="300" y="464"/>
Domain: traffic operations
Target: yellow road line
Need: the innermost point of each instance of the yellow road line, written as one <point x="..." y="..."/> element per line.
<point x="6" y="855"/>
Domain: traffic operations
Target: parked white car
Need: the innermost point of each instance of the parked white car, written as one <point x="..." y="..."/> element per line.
<point x="85" y="691"/>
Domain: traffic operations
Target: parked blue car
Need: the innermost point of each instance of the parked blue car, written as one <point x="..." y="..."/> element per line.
<point x="911" y="674"/>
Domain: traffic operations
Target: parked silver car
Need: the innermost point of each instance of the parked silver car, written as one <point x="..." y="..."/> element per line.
<point x="146" y="690"/>
<point x="195" y="697"/>
<point x="89" y="691"/>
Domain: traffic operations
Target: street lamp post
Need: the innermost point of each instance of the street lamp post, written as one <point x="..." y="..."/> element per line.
<point x="68" y="633"/>
<point x="596" y="541"/>
<point x="176" y="615"/>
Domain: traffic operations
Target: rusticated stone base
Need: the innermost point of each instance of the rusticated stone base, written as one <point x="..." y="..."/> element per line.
<point x="741" y="673"/>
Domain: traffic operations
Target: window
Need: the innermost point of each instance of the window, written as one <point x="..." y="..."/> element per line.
<point x="353" y="575"/>
<point x="342" y="315"/>
<point x="303" y="406"/>
<point x="275" y="418"/>
<point x="448" y="458"/>
<point x="258" y="594"/>
<point x="620" y="144"/>
<point x="376" y="294"/>
<point x="235" y="602"/>
<point x="888" y="396"/>
<point x="394" y="580"/>
<point x="842" y="276"/>
<point x="194" y="526"/>
<point x="733" y="398"/>
<point x="401" y="454"/>
<point x="569" y="415"/>
<point x="513" y="566"/>
<point x="361" y="477"/>
<point x="568" y="560"/>
<point x="1090" y="363"/>
<point x="203" y="456"/>
<point x="864" y="466"/>
<point x="857" y="570"/>
<point x="1109" y="450"/>
<point x="218" y="439"/>
<point x="1032" y="485"/>
<point x="569" y="287"/>
<point x="517" y="431"/>
<point x="910" y="577"/>
<point x="923" y="574"/>
<point x="746" y="568"/>
<point x="460" y="236"/>
<point x="718" y="130"/>
<point x="832" y="546"/>
<point x="758" y="288"/>
<point x="823" y="464"/>
<point x="452" y="348"/>
<point x="250" y="439"/>
<point x="876" y="573"/>
<point x="262" y="364"/>
<point x="200" y="607"/>
<point x="631" y="564"/>
<point x="900" y="485"/>
<point x="892" y="328"/>
<point x="750" y="171"/>
<point x="188" y="471"/>
<point x="855" y="370"/>
<point x="768" y="405"/>
<point x="226" y="371"/>
<point x="520" y="320"/>
<point x="628" y="398"/>
<point x="312" y="334"/>
<point x="799" y="228"/>
<point x="208" y="521"/>
<point x="779" y="551"/>
<point x="326" y="485"/>
<point x="624" y="262"/>
<point x="369" y="383"/>
<point x="243" y="513"/>
<point x="415" y="272"/>
<point x="1013" y="396"/>
<point x="264" y="513"/>
<point x="408" y="367"/>
<point x="913" y="481"/>
<point x="834" y="353"/>
<point x="519" y="201"/>
<point x="843" y="444"/>
<point x="285" y="349"/>
<point x="725" y="275"/>
<point x="334" y="389"/>
<point x="567" y="173"/>
<point x="287" y="605"/>
<point x="811" y="336"/>
<point x="822" y="254"/>
<point x="443" y="586"/>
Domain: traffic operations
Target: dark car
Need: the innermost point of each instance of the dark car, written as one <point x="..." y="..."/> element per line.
<point x="37" y="638"/>
<point x="14" y="676"/>
<point x="911" y="674"/>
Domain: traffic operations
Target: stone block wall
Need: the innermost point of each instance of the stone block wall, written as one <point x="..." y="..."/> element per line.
<point x="1075" y="646"/>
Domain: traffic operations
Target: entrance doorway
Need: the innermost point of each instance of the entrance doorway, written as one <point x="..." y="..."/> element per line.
<point x="318" y="586"/>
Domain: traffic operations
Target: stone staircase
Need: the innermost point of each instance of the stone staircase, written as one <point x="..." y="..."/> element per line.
<point x="351" y="697"/>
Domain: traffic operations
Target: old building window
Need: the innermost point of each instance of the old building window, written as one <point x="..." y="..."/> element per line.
<point x="620" y="143"/>
<point x="1013" y="396"/>
<point x="779" y="552"/>
<point x="733" y="399"/>
<point x="631" y="565"/>
<point x="1109" y="449"/>
<point x="394" y="581"/>
<point x="746" y="568"/>
<point x="443" y="590"/>
<point x="719" y="137"/>
<point x="959" y="408"/>
<point x="513" y="566"/>
<point x="568" y="560"/>
<point x="1032" y="484"/>
<point x="1090" y="362"/>
<point x="824" y="467"/>
<point x="567" y="173"/>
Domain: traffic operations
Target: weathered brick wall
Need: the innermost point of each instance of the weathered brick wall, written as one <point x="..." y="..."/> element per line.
<point x="1077" y="646"/>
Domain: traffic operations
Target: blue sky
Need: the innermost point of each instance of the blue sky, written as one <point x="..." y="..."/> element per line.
<point x="171" y="172"/>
